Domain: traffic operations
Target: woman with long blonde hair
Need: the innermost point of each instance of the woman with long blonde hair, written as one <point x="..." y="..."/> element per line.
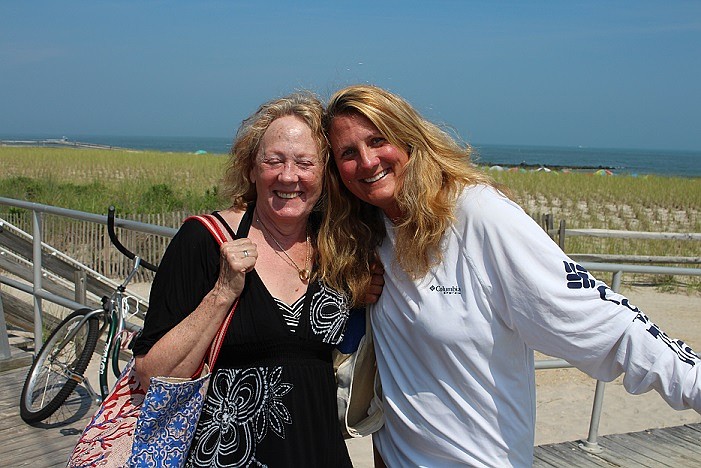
<point x="472" y="287"/>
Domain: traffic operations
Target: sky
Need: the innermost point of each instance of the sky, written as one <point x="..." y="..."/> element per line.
<point x="605" y="74"/>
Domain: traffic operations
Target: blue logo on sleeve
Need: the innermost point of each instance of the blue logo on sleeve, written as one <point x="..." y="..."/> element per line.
<point x="680" y="348"/>
<point x="577" y="276"/>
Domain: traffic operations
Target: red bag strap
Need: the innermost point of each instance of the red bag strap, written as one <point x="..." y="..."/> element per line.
<point x="215" y="227"/>
<point x="221" y="234"/>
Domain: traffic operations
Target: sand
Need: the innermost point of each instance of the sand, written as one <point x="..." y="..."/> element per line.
<point x="564" y="396"/>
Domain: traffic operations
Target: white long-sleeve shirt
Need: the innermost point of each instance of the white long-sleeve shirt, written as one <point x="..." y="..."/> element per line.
<point x="455" y="349"/>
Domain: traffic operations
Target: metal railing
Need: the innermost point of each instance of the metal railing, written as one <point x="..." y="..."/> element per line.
<point x="38" y="293"/>
<point x="36" y="290"/>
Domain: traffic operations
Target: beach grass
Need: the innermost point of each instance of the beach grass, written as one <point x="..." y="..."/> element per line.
<point x="90" y="180"/>
<point x="148" y="182"/>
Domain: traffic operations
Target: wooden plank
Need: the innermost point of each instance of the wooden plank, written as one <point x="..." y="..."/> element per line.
<point x="575" y="456"/>
<point x="677" y="440"/>
<point x="36" y="452"/>
<point x="696" y="427"/>
<point x="615" y="258"/>
<point x="644" y="447"/>
<point x="649" y="441"/>
<point x="11" y="390"/>
<point x="633" y="234"/>
<point x="542" y="458"/>
<point x="20" y="314"/>
<point x="686" y="433"/>
<point x="26" y="273"/>
<point x="593" y="458"/>
<point x="619" y="453"/>
<point x="47" y="444"/>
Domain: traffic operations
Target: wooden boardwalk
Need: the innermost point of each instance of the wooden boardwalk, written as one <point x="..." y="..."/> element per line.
<point x="48" y="444"/>
<point x="672" y="446"/>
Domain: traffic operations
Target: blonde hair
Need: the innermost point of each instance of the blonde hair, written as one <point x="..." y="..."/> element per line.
<point x="236" y="185"/>
<point x="427" y="190"/>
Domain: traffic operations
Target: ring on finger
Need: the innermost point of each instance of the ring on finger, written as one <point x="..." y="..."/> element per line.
<point x="245" y="253"/>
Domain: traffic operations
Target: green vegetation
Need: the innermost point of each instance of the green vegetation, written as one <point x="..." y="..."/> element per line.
<point x="144" y="183"/>
<point x="91" y="180"/>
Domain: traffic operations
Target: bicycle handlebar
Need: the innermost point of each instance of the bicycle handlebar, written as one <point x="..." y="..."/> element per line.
<point x="119" y="245"/>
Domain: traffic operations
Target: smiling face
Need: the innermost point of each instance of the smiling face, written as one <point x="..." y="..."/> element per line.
<point x="288" y="171"/>
<point x="368" y="163"/>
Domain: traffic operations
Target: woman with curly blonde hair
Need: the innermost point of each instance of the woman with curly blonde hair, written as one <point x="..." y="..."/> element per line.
<point x="272" y="395"/>
<point x="472" y="287"/>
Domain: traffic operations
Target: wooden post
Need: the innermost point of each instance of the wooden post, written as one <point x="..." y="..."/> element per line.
<point x="80" y="280"/>
<point x="561" y="235"/>
<point x="5" y="352"/>
<point x="548" y="222"/>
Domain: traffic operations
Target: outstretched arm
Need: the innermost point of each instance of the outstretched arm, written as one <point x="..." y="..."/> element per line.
<point x="560" y="309"/>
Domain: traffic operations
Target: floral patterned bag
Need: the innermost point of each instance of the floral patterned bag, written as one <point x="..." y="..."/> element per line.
<point x="167" y="421"/>
<point x="106" y="441"/>
<point x="151" y="427"/>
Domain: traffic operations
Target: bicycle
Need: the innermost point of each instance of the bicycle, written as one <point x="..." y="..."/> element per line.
<point x="62" y="361"/>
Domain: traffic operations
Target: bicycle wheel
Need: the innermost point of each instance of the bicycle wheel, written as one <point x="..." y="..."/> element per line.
<point x="52" y="376"/>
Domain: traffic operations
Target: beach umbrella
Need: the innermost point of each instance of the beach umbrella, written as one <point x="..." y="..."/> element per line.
<point x="496" y="168"/>
<point x="200" y="152"/>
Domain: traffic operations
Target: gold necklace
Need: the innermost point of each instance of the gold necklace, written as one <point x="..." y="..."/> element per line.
<point x="304" y="273"/>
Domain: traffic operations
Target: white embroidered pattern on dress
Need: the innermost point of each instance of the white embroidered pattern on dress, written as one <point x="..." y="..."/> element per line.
<point x="243" y="406"/>
<point x="328" y="314"/>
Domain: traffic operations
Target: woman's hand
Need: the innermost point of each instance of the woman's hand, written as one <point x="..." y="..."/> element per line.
<point x="377" y="283"/>
<point x="236" y="258"/>
<point x="180" y="351"/>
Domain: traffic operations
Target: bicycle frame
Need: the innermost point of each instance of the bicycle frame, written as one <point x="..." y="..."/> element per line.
<point x="114" y="317"/>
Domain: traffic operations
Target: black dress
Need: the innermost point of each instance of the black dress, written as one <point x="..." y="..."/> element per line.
<point x="272" y="396"/>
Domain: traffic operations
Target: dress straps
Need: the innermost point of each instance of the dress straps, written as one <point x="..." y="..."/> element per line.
<point x="244" y="225"/>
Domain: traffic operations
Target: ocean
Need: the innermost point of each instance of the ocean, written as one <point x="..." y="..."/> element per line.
<point x="617" y="161"/>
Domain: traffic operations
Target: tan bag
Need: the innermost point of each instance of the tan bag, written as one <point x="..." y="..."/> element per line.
<point x="359" y="392"/>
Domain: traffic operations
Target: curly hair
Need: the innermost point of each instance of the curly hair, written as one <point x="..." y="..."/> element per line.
<point x="235" y="184"/>
<point x="437" y="170"/>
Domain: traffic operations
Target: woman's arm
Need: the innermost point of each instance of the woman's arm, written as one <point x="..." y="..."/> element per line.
<point x="560" y="309"/>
